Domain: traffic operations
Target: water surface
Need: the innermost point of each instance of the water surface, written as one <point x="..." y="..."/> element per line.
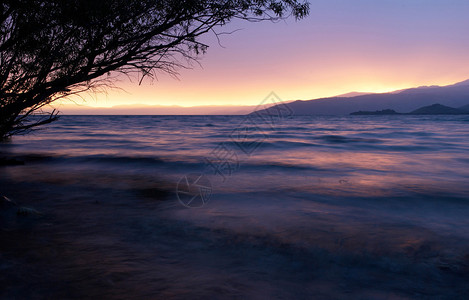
<point x="365" y="207"/>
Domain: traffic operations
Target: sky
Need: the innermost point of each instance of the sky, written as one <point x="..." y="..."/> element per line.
<point x="342" y="46"/>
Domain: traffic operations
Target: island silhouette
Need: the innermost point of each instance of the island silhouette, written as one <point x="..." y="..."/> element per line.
<point x="434" y="109"/>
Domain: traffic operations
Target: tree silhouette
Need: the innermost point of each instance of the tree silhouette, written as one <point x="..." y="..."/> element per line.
<point x="52" y="49"/>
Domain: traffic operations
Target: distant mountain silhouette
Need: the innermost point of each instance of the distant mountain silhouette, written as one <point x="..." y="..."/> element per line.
<point x="407" y="100"/>
<point x="353" y="94"/>
<point x="465" y="107"/>
<point x="462" y="83"/>
<point x="438" y="109"/>
<point x="378" y="112"/>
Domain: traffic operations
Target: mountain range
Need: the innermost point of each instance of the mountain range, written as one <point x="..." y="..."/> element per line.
<point x="405" y="101"/>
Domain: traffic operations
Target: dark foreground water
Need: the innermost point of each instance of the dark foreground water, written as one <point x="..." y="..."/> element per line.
<point x="359" y="207"/>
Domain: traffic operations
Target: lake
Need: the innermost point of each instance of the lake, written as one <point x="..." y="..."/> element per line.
<point x="216" y="207"/>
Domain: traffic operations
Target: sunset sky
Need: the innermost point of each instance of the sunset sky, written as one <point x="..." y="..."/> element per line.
<point x="343" y="46"/>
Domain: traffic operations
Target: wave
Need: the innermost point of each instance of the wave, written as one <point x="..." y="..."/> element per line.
<point x="344" y="139"/>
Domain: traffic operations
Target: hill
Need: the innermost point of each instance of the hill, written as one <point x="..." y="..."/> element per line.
<point x="438" y="109"/>
<point x="407" y="100"/>
<point x="465" y="107"/>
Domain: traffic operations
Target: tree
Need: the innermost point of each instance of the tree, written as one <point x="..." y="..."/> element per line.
<point x="52" y="48"/>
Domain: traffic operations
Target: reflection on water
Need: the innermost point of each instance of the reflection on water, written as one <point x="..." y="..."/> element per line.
<point x="367" y="207"/>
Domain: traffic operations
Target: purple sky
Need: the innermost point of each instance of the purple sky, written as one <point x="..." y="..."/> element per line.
<point x="343" y="46"/>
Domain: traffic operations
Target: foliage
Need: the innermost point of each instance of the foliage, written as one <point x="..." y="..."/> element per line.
<point x="52" y="49"/>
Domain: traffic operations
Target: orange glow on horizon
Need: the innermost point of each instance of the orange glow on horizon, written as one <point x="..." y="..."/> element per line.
<point x="159" y="95"/>
<point x="357" y="47"/>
